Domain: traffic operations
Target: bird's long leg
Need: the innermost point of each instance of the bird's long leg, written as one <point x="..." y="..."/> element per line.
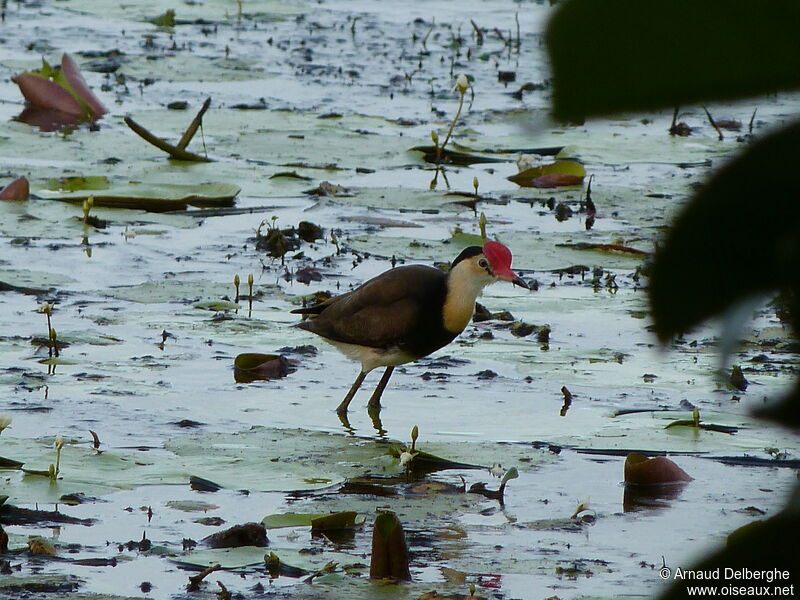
<point x="375" y="399"/>
<point x="342" y="408"/>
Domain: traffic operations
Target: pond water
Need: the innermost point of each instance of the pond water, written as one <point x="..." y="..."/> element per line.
<point x="341" y="92"/>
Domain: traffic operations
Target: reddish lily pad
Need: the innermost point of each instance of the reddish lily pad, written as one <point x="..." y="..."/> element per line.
<point x="559" y="173"/>
<point x="62" y="89"/>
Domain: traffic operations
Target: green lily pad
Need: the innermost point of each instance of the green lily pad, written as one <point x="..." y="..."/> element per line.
<point x="338" y="521"/>
<point x="216" y="305"/>
<point x="155" y="197"/>
<point x="279" y="521"/>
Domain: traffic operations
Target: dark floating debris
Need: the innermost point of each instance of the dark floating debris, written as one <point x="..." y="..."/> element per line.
<point x="203" y="485"/>
<point x="247" y="534"/>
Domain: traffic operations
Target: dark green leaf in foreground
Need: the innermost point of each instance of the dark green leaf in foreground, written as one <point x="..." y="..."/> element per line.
<point x="389" y="550"/>
<point x="9" y="463"/>
<point x="739" y="237"/>
<point x="642" y="54"/>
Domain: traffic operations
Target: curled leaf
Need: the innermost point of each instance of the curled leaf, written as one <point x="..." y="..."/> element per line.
<point x="19" y="189"/>
<point x="640" y="470"/>
<point x="252" y="366"/>
<point x="62" y="89"/>
<point x="559" y="173"/>
<point x="73" y="74"/>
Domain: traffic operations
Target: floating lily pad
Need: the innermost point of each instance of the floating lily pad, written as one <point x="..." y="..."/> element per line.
<point x="216" y="305"/>
<point x="279" y="521"/>
<point x="572" y="172"/>
<point x="155" y="197"/>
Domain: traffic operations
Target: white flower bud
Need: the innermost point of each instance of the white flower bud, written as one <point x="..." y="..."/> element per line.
<point x="462" y="84"/>
<point x="5" y="421"/>
<point x="406" y="457"/>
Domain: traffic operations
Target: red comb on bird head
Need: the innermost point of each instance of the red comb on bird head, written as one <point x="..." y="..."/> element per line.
<point x="499" y="258"/>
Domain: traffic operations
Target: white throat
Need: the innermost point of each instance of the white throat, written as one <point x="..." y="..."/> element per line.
<point x="463" y="288"/>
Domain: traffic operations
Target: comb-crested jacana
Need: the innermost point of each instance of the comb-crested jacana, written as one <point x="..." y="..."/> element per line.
<point x="407" y="312"/>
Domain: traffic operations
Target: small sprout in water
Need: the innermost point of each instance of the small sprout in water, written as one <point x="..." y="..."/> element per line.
<point x="435" y="138"/>
<point x="482" y="225"/>
<point x="58" y="444"/>
<point x="88" y="204"/>
<point x="471" y="589"/>
<point x="53" y="341"/>
<point x="335" y="241"/>
<point x="475" y="185"/>
<point x="250" y="280"/>
<point x="47" y="309"/>
<point x="512" y="473"/>
<point x="462" y="85"/>
<point x="414" y="436"/>
<point x="236" y="287"/>
<point x="5" y="421"/>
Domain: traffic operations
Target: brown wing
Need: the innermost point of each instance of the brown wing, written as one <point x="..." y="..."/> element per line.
<point x="388" y="310"/>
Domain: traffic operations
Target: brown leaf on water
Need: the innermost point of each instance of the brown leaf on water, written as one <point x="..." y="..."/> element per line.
<point x="252" y="366"/>
<point x="19" y="189"/>
<point x="641" y="470"/>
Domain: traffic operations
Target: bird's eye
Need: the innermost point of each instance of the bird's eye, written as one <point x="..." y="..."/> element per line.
<point x="483" y="263"/>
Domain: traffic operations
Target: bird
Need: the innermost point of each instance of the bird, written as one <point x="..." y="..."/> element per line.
<point x="406" y="313"/>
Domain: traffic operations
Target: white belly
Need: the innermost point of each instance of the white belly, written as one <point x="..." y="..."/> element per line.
<point x="372" y="358"/>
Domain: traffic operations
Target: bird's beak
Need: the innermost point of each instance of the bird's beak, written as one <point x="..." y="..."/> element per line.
<point x="508" y="275"/>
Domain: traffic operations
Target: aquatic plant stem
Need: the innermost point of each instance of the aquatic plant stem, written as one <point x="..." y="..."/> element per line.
<point x="452" y="125"/>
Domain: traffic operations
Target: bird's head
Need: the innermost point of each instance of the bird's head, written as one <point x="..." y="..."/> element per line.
<point x="489" y="263"/>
